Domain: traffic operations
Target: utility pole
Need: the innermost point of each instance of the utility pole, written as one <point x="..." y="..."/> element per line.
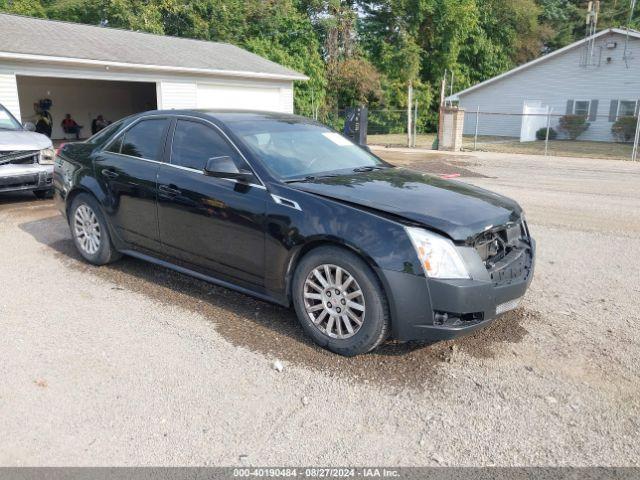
<point x="409" y="116"/>
<point x="415" y="123"/>
<point x="625" y="56"/>
<point x="636" y="142"/>
<point x="592" y="28"/>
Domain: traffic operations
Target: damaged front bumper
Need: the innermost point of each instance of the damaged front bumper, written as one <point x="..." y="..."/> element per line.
<point x="434" y="310"/>
<point x="25" y="177"/>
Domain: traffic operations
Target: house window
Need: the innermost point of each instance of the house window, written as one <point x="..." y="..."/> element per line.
<point x="581" y="107"/>
<point x="627" y="108"/>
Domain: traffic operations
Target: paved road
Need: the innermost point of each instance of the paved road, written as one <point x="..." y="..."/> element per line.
<point x="132" y="364"/>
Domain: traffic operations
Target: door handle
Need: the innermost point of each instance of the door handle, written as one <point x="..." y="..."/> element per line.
<point x="169" y="190"/>
<point x="110" y="173"/>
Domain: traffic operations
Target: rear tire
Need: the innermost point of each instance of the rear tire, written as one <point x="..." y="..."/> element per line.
<point x="90" y="232"/>
<point x="340" y="302"/>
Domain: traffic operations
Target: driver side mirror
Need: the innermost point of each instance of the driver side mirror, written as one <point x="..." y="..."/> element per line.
<point x="30" y="127"/>
<point x="225" y="167"/>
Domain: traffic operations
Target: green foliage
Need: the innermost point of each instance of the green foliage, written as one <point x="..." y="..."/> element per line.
<point x="32" y="8"/>
<point x="359" y="51"/>
<point x="573" y="126"/>
<point x="624" y="129"/>
<point x="542" y="134"/>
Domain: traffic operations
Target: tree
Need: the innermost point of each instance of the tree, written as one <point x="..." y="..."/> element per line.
<point x="31" y="8"/>
<point x="359" y="51"/>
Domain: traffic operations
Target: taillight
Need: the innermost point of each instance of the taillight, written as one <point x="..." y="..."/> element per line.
<point x="59" y="148"/>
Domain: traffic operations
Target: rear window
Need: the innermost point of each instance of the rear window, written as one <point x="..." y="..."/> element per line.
<point x="143" y="140"/>
<point x="105" y="134"/>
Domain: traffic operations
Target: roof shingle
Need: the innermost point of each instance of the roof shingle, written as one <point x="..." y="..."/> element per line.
<point x="34" y="36"/>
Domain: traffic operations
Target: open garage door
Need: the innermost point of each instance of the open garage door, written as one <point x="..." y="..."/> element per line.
<point x="268" y="98"/>
<point x="84" y="100"/>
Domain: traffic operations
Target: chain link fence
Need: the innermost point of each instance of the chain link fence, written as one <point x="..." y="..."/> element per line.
<point x="534" y="133"/>
<point x="388" y="127"/>
<point x="381" y="122"/>
<point x="552" y="134"/>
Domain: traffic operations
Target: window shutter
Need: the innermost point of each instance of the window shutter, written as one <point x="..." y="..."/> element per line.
<point x="569" y="107"/>
<point x="593" y="111"/>
<point x="613" y="111"/>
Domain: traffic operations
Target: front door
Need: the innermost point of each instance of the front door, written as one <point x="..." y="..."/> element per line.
<point x="211" y="223"/>
<point x="127" y="170"/>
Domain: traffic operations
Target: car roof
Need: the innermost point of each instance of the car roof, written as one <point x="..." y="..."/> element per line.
<point x="232" y="116"/>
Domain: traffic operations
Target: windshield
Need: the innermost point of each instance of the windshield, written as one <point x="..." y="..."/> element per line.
<point x="7" y="122"/>
<point x="291" y="149"/>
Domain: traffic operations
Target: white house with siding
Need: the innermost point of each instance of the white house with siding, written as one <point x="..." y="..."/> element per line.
<point x="89" y="70"/>
<point x="598" y="77"/>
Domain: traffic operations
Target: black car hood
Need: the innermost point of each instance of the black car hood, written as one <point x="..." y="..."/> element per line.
<point x="459" y="210"/>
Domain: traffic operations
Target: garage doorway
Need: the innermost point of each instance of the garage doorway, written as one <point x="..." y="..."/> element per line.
<point x="84" y="100"/>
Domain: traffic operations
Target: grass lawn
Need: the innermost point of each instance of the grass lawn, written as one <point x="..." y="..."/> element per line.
<point x="558" y="148"/>
<point x="400" y="140"/>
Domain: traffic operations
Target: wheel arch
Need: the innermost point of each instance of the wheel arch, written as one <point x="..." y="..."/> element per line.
<point x="314" y="244"/>
<point x="84" y="189"/>
<point x="73" y="193"/>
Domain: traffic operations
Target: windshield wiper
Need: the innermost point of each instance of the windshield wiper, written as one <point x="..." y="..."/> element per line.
<point x="309" y="178"/>
<point x="367" y="169"/>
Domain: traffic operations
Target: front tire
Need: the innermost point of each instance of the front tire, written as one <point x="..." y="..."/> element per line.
<point x="340" y="302"/>
<point x="89" y="231"/>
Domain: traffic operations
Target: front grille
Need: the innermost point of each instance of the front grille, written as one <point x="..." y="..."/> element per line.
<point x="19" y="157"/>
<point x="506" y="252"/>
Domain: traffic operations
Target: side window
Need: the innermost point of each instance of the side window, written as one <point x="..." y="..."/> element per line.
<point x="143" y="140"/>
<point x="194" y="143"/>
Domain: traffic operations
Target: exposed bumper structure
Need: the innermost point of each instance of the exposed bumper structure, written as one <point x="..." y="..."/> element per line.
<point x="453" y="308"/>
<point x="25" y="177"/>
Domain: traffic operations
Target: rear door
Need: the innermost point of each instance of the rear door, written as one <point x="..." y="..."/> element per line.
<point x="127" y="169"/>
<point x="211" y="223"/>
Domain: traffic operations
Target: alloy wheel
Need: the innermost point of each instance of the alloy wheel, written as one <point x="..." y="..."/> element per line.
<point x="87" y="229"/>
<point x="334" y="301"/>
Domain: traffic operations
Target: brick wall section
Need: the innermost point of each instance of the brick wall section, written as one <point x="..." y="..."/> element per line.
<point x="451" y="129"/>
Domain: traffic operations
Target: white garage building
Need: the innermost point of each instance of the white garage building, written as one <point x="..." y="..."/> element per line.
<point x="89" y="70"/>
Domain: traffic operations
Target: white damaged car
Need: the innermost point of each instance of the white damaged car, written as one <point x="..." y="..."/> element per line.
<point x="26" y="157"/>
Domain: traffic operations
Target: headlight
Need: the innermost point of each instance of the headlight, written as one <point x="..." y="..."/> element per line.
<point x="46" y="156"/>
<point x="438" y="255"/>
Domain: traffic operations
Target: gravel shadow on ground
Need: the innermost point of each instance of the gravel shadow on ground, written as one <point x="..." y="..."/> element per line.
<point x="274" y="331"/>
<point x="433" y="163"/>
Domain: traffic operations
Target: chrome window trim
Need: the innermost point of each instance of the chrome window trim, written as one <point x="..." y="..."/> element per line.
<point x="136" y="158"/>
<point x="233" y="180"/>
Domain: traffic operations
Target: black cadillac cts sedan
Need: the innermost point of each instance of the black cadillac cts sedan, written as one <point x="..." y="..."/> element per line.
<point x="284" y="209"/>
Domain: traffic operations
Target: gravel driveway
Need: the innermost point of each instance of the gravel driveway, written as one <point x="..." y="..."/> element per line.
<point x="133" y="364"/>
